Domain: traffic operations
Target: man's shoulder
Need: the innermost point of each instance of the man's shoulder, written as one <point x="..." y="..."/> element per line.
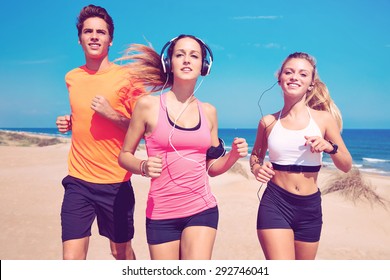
<point x="118" y="67"/>
<point x="74" y="71"/>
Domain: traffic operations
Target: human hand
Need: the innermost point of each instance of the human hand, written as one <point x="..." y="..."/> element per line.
<point x="263" y="173"/>
<point x="101" y="106"/>
<point x="153" y="166"/>
<point x="240" y="147"/>
<point x="318" y="144"/>
<point x="64" y="123"/>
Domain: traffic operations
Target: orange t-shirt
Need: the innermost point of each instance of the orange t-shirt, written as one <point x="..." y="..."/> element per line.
<point x="96" y="141"/>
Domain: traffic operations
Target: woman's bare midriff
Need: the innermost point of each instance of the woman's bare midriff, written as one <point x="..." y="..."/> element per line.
<point x="304" y="183"/>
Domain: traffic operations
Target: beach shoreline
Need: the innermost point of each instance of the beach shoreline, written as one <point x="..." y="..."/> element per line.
<point x="31" y="196"/>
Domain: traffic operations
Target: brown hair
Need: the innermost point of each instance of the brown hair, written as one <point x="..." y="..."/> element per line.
<point x="146" y="66"/>
<point x="95" y="11"/>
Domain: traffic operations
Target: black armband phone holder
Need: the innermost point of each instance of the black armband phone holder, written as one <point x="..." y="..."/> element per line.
<point x="216" y="152"/>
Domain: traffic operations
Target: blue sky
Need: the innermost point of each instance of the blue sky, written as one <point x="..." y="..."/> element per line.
<point x="249" y="39"/>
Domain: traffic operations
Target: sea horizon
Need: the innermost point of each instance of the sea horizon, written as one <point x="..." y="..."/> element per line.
<point x="370" y="148"/>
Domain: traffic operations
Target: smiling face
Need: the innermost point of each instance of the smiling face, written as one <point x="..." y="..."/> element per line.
<point x="187" y="59"/>
<point x="95" y="39"/>
<point x="296" y="76"/>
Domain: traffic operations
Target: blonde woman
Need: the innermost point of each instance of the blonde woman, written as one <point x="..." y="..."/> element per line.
<point x="289" y="219"/>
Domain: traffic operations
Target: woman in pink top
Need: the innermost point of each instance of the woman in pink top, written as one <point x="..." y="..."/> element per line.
<point x="181" y="136"/>
<point x="290" y="216"/>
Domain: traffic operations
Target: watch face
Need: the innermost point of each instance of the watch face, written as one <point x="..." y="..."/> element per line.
<point x="335" y="147"/>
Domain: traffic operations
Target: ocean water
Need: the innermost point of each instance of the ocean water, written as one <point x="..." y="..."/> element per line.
<point x="370" y="148"/>
<point x="41" y="131"/>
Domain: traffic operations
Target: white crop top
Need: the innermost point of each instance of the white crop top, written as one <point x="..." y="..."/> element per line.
<point x="287" y="147"/>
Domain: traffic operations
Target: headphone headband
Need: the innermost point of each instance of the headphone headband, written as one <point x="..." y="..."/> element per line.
<point x="166" y="61"/>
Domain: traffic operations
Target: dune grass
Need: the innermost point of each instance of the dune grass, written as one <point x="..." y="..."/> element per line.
<point x="22" y="139"/>
<point x="237" y="168"/>
<point x="353" y="187"/>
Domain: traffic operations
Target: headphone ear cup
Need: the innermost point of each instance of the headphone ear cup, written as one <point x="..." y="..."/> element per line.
<point x="167" y="65"/>
<point x="205" y="68"/>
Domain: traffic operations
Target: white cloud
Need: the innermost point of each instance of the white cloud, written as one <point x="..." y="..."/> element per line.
<point x="267" y="45"/>
<point x="34" y="62"/>
<point x="272" y="46"/>
<point x="257" y="17"/>
<point x="217" y="47"/>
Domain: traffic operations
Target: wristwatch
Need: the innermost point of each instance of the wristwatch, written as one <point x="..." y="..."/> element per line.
<point x="335" y="148"/>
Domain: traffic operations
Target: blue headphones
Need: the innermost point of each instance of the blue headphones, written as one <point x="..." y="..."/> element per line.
<point x="166" y="61"/>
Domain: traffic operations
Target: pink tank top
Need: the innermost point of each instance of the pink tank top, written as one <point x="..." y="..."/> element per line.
<point x="183" y="187"/>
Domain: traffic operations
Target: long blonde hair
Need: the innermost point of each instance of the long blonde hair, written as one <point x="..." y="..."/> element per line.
<point x="319" y="97"/>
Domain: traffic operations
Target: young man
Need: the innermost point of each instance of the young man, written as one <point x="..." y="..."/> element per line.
<point x="101" y="104"/>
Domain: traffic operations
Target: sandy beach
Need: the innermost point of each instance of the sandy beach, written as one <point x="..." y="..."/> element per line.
<point x="31" y="196"/>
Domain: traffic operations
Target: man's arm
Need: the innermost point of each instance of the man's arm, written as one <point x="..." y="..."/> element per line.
<point x="64" y="123"/>
<point x="101" y="106"/>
